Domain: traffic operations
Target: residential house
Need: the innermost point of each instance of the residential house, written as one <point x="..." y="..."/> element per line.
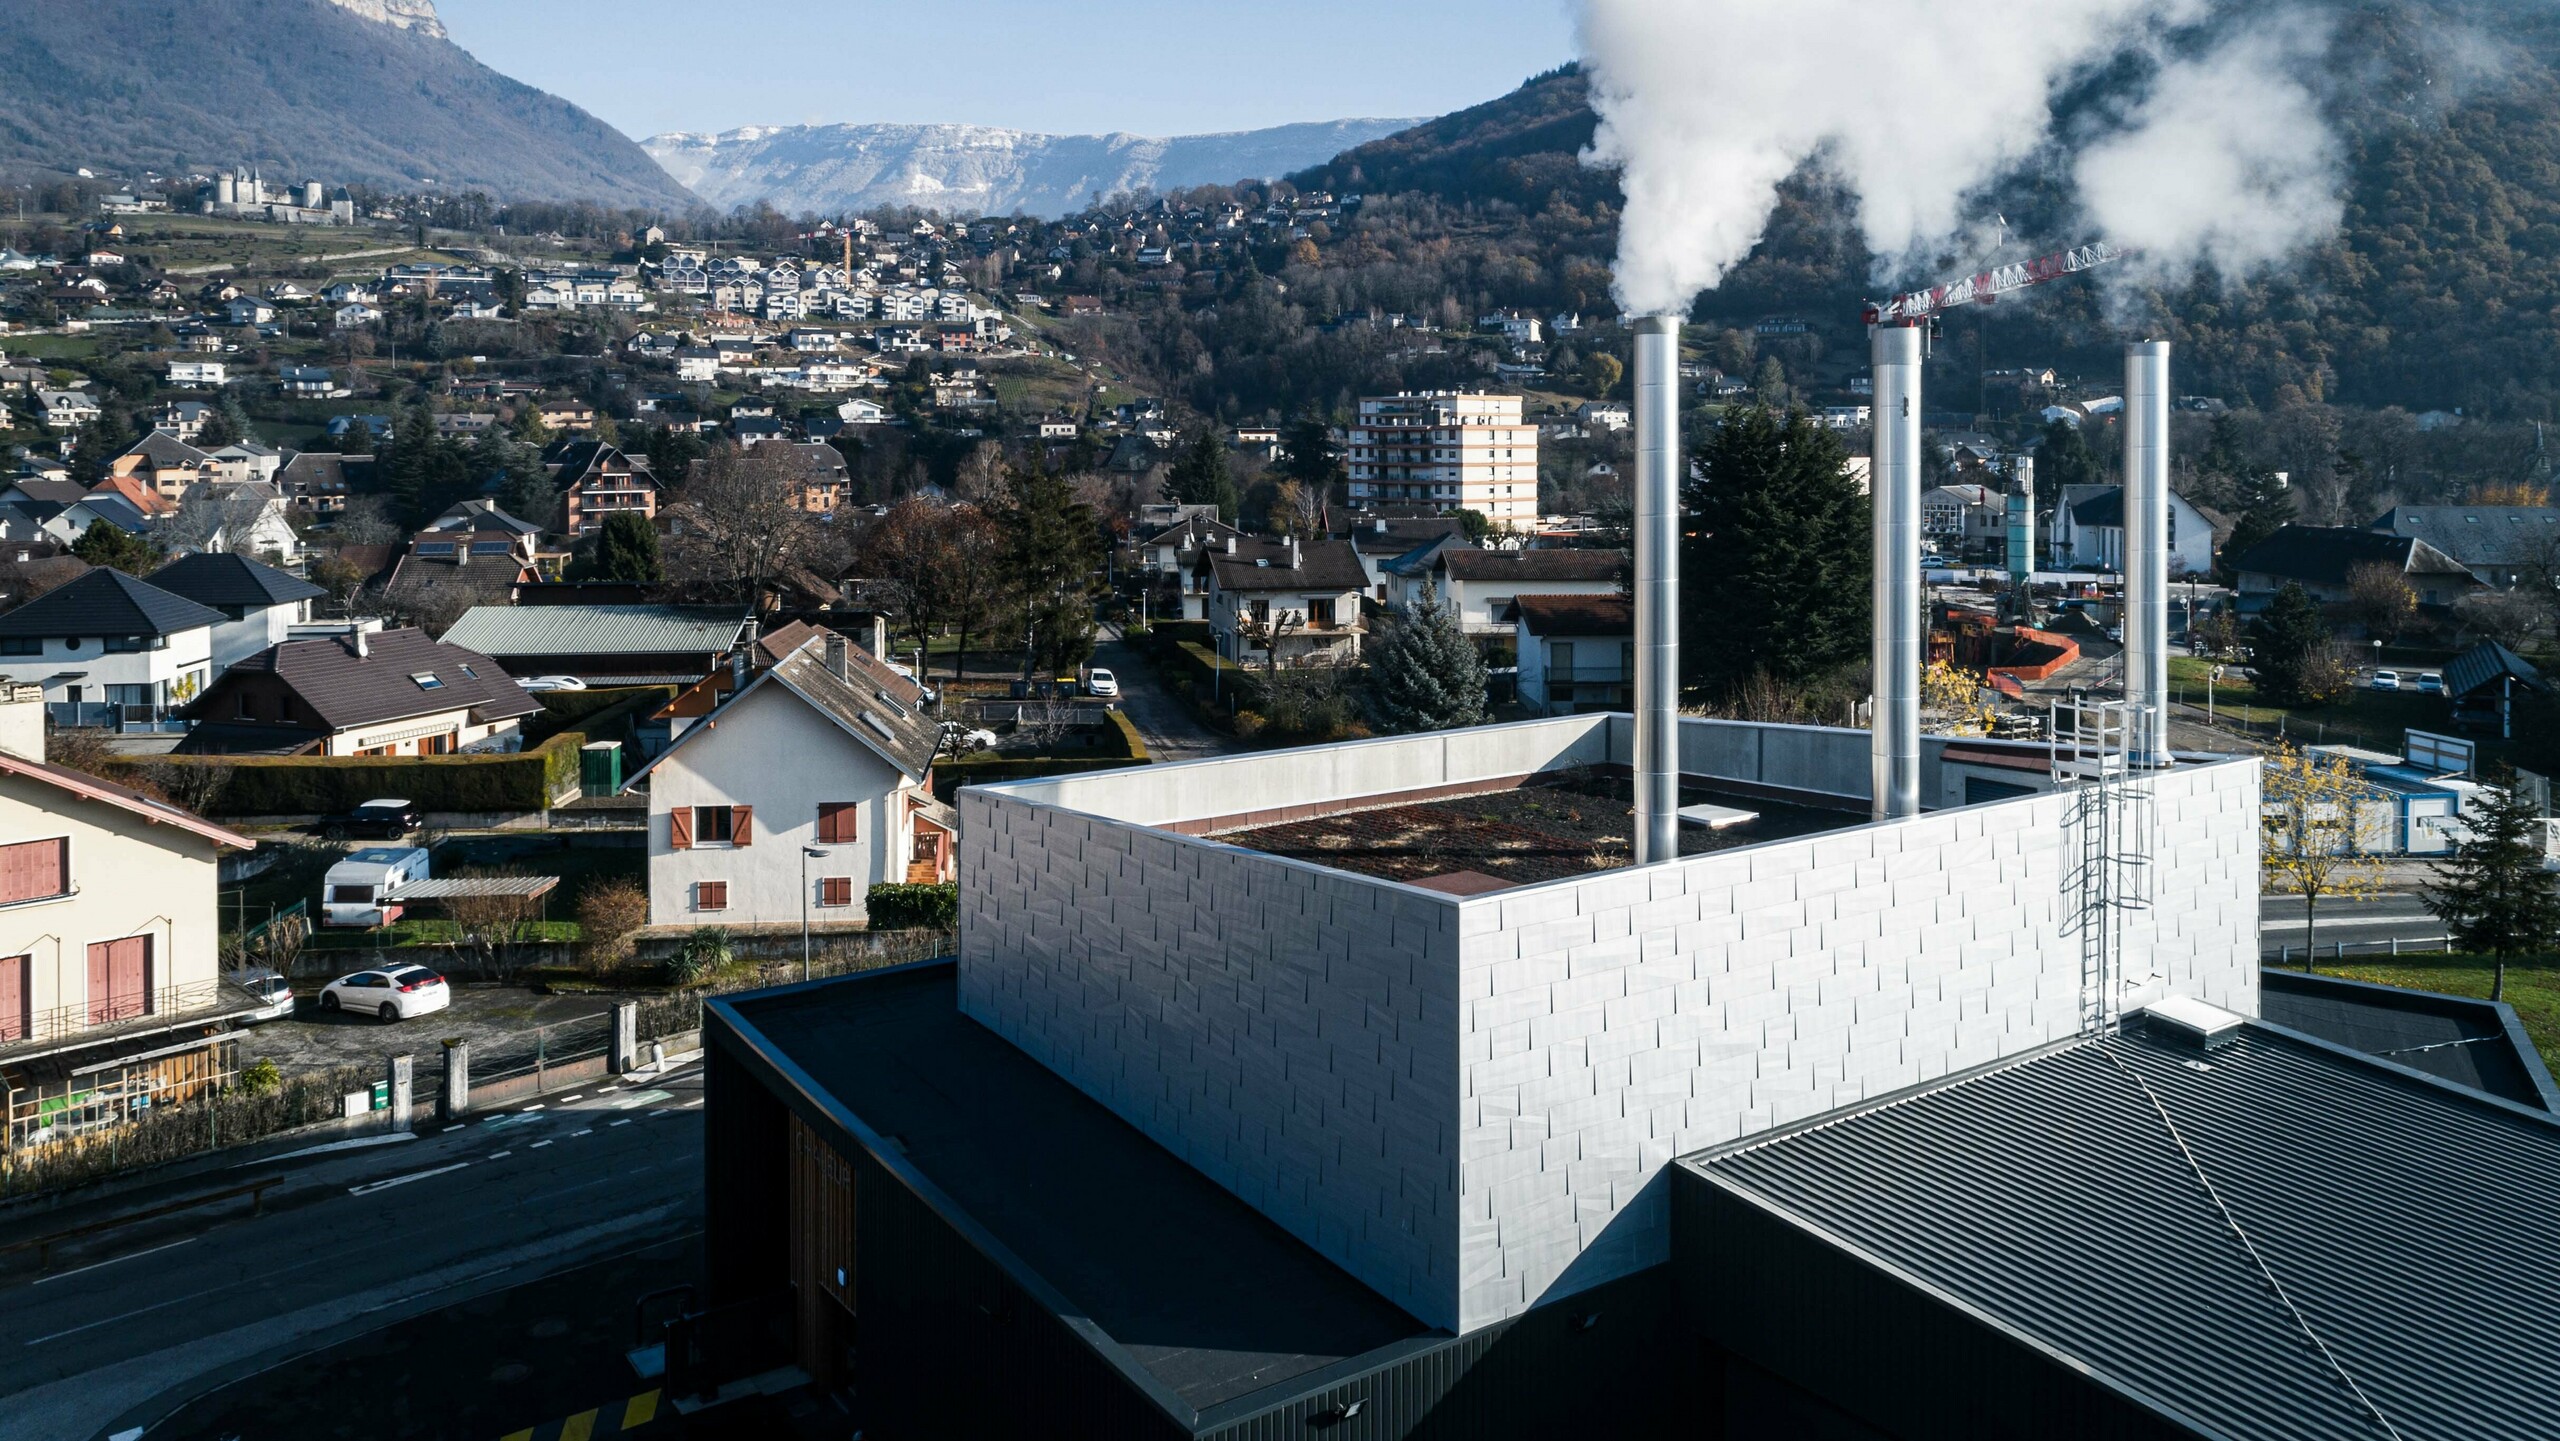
<point x="1577" y="652"/>
<point x="308" y="382"/>
<point x="111" y="997"/>
<point x="606" y="644"/>
<point x="465" y="423"/>
<point x="199" y="372"/>
<point x="1180" y="553"/>
<point x="319" y="480"/>
<point x="249" y="310"/>
<point x="1382" y="538"/>
<point x="254" y="519"/>
<point x="752" y="431"/>
<point x="1968" y="520"/>
<point x="2501" y="545"/>
<point x="481" y="526"/>
<point x="863" y="412"/>
<point x="363" y="693"/>
<point x="1290" y="601"/>
<point x="809" y="786"/>
<point x="1449" y="450"/>
<point x="2323" y="561"/>
<point x="354" y="315"/>
<point x="165" y="463"/>
<point x="259" y="603"/>
<point x="184" y="419"/>
<point x="243" y="460"/>
<point x="567" y="414"/>
<point x="1480" y="585"/>
<point x="600" y="480"/>
<point x="821" y="483"/>
<point x="698" y="363"/>
<point x="67" y="409"/>
<point x="109" y="649"/>
<point x="2088" y="531"/>
<point x="61" y="511"/>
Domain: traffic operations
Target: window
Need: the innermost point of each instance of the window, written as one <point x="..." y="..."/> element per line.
<point x="711" y="895"/>
<point x="442" y="745"/>
<point x="469" y="674"/>
<point x="35" y="870"/>
<point x="839" y="822"/>
<point x="127" y="644"/>
<point x="243" y="707"/>
<point x="711" y="826"/>
<point x="426" y="680"/>
<point x="22" y="645"/>
<point x="835" y="890"/>
<point x="351" y="895"/>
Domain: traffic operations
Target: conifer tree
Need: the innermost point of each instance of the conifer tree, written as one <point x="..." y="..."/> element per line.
<point x="1773" y="574"/>
<point x="1424" y="674"/>
<point x="2494" y="895"/>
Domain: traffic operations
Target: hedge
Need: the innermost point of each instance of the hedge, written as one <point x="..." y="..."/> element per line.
<point x="1120" y="737"/>
<point x="1164" y="635"/>
<point x="317" y="785"/>
<point x="913" y="908"/>
<point x="1240" y="689"/>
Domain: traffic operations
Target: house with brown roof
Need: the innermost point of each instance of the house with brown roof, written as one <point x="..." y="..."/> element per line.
<point x="2324" y="559"/>
<point x="1480" y="585"/>
<point x="601" y="480"/>
<point x="1577" y="652"/>
<point x="1287" y="600"/>
<point x="804" y="789"/>
<point x="364" y="693"/>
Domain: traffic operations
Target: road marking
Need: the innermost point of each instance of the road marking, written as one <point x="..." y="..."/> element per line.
<point x="370" y="1187"/>
<point x="589" y="1131"/>
<point x="625" y="1121"/>
<point x="356" y="1143"/>
<point x="689" y="1105"/>
<point x="564" y="1100"/>
<point x="129" y="1315"/>
<point x="641" y="1098"/>
<point x="500" y="1155"/>
<point x="129" y="1255"/>
<point x="663" y="1111"/>
<point x="536" y="1106"/>
<point x="538" y="1145"/>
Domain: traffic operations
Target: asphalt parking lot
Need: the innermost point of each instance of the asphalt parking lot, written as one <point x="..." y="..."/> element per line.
<point x="482" y="1013"/>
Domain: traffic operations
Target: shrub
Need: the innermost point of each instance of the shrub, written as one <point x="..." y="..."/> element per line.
<point x="309" y="785"/>
<point x="261" y="1076"/>
<point x="607" y="915"/>
<point x="1248" y="724"/>
<point x="703" y="952"/>
<point x="1121" y="738"/>
<point x="913" y="908"/>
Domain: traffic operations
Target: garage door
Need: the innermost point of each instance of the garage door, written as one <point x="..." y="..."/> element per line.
<point x="119" y="980"/>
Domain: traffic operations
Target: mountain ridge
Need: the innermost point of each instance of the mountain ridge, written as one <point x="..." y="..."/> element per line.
<point x="363" y="91"/>
<point x="982" y="169"/>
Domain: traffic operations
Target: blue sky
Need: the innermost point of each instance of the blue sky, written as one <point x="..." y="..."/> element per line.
<point x="1155" y="67"/>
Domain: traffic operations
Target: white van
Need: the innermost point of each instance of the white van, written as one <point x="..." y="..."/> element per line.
<point x="351" y="894"/>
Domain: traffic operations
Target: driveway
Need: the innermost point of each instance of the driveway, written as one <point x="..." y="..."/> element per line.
<point x="483" y="1013"/>
<point x="1172" y="732"/>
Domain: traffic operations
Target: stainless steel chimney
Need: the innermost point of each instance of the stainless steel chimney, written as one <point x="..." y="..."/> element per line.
<point x="1657" y="543"/>
<point x="1894" y="751"/>
<point x="2146" y="538"/>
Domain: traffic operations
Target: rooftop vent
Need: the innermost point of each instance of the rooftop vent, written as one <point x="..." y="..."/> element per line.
<point x="2186" y="1021"/>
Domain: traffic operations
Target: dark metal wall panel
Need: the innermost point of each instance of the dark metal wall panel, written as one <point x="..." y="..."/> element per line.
<point x="1881" y="1350"/>
<point x="1595" y="1364"/>
<point x="947" y="1344"/>
<point x="746" y="1175"/>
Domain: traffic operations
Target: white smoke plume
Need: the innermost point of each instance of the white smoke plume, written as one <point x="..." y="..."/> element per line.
<point x="1707" y="105"/>
<point x="2226" y="160"/>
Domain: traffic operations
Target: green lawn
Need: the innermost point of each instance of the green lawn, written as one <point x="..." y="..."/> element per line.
<point x="2533" y="987"/>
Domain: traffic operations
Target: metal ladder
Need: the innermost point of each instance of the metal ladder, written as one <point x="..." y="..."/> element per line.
<point x="2102" y="754"/>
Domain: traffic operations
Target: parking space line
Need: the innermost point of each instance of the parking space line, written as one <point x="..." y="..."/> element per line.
<point x="370" y="1187"/>
<point x="500" y="1155"/>
<point x="564" y="1100"/>
<point x="589" y="1131"/>
<point x="111" y="1260"/>
<point x="538" y="1145"/>
<point x="625" y="1121"/>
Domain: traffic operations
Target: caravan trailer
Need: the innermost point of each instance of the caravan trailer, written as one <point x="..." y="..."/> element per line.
<point x="352" y="893"/>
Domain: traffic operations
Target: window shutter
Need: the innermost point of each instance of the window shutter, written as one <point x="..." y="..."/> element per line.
<point x="839" y="822"/>
<point x="711" y="895"/>
<point x="680" y="828"/>
<point x="743" y="818"/>
<point x="835" y="891"/>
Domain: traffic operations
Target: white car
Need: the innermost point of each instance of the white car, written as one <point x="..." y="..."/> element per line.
<point x="1102" y="683"/>
<point x="273" y="991"/>
<point x="551" y="682"/>
<point x="395" y="993"/>
<point x="2386" y="680"/>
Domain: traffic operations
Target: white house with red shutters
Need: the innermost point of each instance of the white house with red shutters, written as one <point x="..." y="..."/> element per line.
<point x="805" y="788"/>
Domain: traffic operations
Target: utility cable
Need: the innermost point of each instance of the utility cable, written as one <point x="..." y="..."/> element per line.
<point x="2107" y="1048"/>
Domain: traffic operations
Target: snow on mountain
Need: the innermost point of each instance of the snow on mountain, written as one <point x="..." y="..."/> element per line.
<point x="981" y="170"/>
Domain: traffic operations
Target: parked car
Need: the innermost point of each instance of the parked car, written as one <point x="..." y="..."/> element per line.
<point x="395" y="993"/>
<point x="2386" y="680"/>
<point x="388" y="819"/>
<point x="272" y="989"/>
<point x="1102" y="683"/>
<point x="2431" y="684"/>
<point x="551" y="682"/>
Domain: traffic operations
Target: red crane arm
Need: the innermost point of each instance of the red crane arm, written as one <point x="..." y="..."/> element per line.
<point x="1920" y="305"/>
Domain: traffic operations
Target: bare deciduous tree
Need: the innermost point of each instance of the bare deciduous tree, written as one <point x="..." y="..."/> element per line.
<point x="737" y="530"/>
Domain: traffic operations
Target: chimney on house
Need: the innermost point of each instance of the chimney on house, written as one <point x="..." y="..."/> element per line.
<point x="1382" y="525"/>
<point x="1231" y="545"/>
<point x="1296" y="553"/>
<point x="363" y="648"/>
<point x="839" y="658"/>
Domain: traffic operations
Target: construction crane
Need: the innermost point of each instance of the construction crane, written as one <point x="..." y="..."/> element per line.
<point x="1922" y="306"/>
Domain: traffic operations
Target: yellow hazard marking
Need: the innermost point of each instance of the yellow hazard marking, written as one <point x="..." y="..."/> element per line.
<point x="578" y="1427"/>
<point x="640" y="1410"/>
<point x="524" y="1435"/>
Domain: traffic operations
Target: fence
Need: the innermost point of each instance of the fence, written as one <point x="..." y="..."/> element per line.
<point x="229" y="1116"/>
<point x="2257" y="723"/>
<point x="530" y="1062"/>
<point x="2313" y="953"/>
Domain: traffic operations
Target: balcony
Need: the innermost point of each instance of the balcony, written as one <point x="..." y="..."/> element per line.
<point x="122" y="1017"/>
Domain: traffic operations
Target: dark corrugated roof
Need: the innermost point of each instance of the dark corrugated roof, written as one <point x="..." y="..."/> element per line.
<point x="2408" y="1220"/>
<point x="1533" y="565"/>
<point x="2462" y="1039"/>
<point x="2479" y="534"/>
<point x="1325" y="565"/>
<point x="107" y="602"/>
<point x="211" y="578"/>
<point x="2488" y="664"/>
<point x="348" y="690"/>
<point x="2323" y="554"/>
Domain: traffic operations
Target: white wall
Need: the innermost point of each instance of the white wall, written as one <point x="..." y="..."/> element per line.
<point x="187" y="656"/>
<point x="261" y="626"/>
<point x="130" y="877"/>
<point x="773" y="751"/>
<point x="1283" y="1027"/>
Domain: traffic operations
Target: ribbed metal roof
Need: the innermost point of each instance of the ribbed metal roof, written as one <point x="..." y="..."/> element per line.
<point x="2411" y="1224"/>
<point x="597" y="629"/>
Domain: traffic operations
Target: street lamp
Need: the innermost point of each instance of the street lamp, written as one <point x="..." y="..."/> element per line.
<point x="807" y="854"/>
<point x="2377" y="655"/>
<point x="2210" y="676"/>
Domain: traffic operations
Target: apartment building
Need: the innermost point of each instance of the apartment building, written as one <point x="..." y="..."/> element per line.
<point x="1449" y="450"/>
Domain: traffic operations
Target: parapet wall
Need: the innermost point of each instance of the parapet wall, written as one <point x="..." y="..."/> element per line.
<point x="1468" y="1104"/>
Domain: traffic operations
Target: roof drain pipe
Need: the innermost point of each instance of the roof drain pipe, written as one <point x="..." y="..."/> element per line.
<point x="2146" y="548"/>
<point x="1894" y="746"/>
<point x="1657" y="545"/>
